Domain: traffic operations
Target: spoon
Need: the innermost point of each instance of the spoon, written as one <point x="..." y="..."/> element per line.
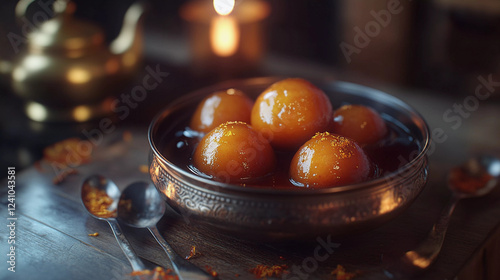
<point x="474" y="178"/>
<point x="141" y="206"/>
<point x="108" y="187"/>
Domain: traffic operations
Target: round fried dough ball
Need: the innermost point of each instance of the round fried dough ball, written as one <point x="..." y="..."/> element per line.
<point x="234" y="153"/>
<point x="329" y="160"/>
<point x="290" y="112"/>
<point x="221" y="107"/>
<point x="360" y="123"/>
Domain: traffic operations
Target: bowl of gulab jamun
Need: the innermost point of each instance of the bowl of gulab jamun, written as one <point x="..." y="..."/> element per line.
<point x="289" y="158"/>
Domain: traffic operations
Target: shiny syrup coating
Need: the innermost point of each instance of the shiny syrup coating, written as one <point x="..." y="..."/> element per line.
<point x="386" y="155"/>
<point x="360" y="123"/>
<point x="234" y="152"/>
<point x="329" y="160"/>
<point x="220" y="107"/>
<point x="290" y="112"/>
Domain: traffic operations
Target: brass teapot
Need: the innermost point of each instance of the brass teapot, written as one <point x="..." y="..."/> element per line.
<point x="67" y="73"/>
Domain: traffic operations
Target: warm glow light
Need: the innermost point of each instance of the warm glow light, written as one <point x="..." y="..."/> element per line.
<point x="170" y="190"/>
<point x="32" y="63"/>
<point x="417" y="260"/>
<point x="82" y="113"/>
<point x="112" y="66"/>
<point x="157" y="171"/>
<point x="129" y="59"/>
<point x="19" y="74"/>
<point x="36" y="111"/>
<point x="74" y="43"/>
<point x="75" y="53"/>
<point x="223" y="7"/>
<point x="224" y="36"/>
<point x="36" y="62"/>
<point x="78" y="75"/>
<point x="387" y="202"/>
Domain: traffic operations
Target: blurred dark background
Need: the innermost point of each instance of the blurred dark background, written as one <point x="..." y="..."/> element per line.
<point x="438" y="45"/>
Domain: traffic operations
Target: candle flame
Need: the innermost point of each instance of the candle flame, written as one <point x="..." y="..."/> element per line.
<point x="224" y="36"/>
<point x="223" y="7"/>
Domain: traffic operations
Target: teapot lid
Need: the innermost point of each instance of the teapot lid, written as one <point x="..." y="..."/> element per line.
<point x="66" y="32"/>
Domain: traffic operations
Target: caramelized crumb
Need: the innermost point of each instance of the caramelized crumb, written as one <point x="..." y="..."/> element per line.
<point x="226" y="124"/>
<point x="159" y="273"/>
<point x="64" y="156"/>
<point x="341" y="273"/>
<point x="211" y="271"/>
<point x="321" y="135"/>
<point x="72" y="151"/>
<point x="193" y="253"/>
<point x="95" y="234"/>
<point x="264" y="271"/>
<point x="98" y="202"/>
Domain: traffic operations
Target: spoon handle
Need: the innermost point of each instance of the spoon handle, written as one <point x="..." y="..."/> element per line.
<point x="183" y="268"/>
<point x="427" y="251"/>
<point x="137" y="264"/>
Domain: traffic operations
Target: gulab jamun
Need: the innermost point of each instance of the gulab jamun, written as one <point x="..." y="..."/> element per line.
<point x="329" y="160"/>
<point x="290" y="112"/>
<point x="221" y="107"/>
<point x="234" y="152"/>
<point x="360" y="123"/>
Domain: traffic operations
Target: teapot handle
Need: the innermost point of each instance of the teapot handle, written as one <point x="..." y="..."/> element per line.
<point x="22" y="7"/>
<point x="59" y="6"/>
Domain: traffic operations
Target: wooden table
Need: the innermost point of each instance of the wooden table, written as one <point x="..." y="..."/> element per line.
<point x="52" y="226"/>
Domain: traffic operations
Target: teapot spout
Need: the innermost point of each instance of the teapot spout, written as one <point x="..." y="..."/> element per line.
<point x="130" y="38"/>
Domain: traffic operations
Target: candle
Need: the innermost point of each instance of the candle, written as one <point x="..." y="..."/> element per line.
<point x="225" y="37"/>
<point x="224" y="30"/>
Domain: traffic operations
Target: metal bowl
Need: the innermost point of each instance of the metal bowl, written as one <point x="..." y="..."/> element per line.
<point x="279" y="214"/>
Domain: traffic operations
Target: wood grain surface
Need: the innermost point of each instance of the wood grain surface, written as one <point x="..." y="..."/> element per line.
<point x="52" y="227"/>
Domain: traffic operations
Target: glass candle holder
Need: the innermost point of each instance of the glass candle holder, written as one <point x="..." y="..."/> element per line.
<point x="227" y="45"/>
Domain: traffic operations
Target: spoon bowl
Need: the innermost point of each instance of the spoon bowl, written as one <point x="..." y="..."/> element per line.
<point x="141" y="206"/>
<point x="100" y="184"/>
<point x="476" y="177"/>
<point x="99" y="190"/>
